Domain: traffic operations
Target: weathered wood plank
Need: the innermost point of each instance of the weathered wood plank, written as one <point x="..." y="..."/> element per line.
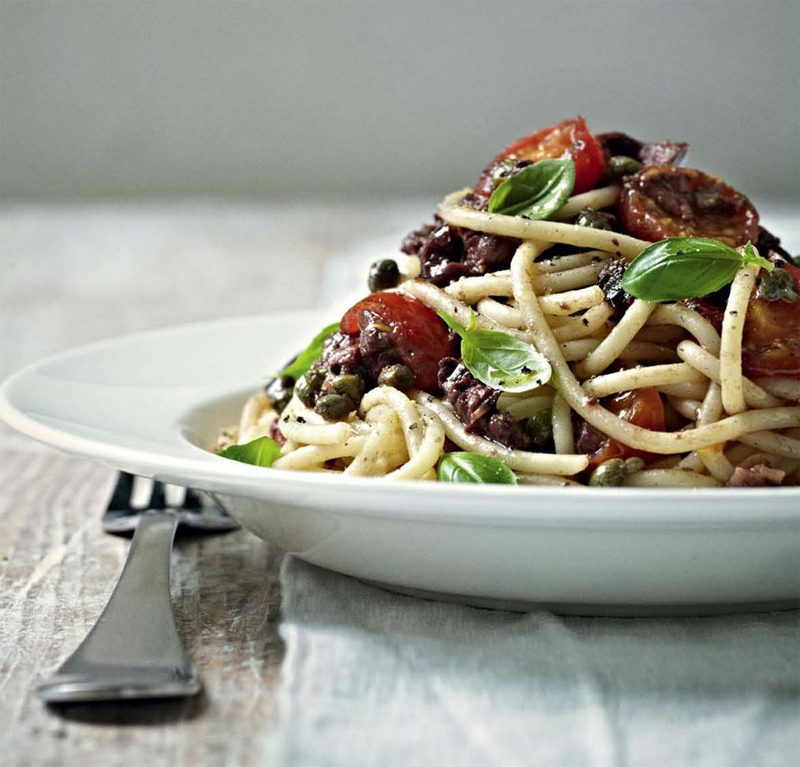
<point x="57" y="571"/>
<point x="73" y="274"/>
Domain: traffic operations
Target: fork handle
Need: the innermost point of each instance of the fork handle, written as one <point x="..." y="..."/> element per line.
<point x="134" y="649"/>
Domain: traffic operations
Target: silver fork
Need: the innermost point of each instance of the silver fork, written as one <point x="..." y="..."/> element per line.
<point x="134" y="650"/>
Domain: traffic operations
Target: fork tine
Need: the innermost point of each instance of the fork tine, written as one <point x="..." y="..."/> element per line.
<point x="123" y="490"/>
<point x="135" y="495"/>
<point x="174" y="495"/>
<point x="158" y="499"/>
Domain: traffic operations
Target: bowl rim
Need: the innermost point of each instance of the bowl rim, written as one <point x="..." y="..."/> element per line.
<point x="632" y="506"/>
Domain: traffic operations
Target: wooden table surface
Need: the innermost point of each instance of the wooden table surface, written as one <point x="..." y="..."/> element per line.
<point x="70" y="275"/>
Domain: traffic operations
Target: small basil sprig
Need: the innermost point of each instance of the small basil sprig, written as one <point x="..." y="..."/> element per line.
<point x="309" y="355"/>
<point x="260" y="452"/>
<point x="537" y="191"/>
<point x="498" y="359"/>
<point x="686" y="267"/>
<point x="474" y="467"/>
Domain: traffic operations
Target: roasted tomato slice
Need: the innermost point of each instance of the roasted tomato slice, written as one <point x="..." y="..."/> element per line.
<point x="570" y="138"/>
<point x="665" y="201"/>
<point x="642" y="407"/>
<point x="771" y="342"/>
<point x="419" y="336"/>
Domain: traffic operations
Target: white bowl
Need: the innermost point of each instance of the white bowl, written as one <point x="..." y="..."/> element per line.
<point x="152" y="402"/>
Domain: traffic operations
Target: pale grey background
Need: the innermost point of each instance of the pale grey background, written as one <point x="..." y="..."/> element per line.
<point x="339" y="100"/>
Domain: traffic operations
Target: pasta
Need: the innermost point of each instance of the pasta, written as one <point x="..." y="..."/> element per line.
<point x="535" y="357"/>
<point x="537" y="231"/>
<point x="730" y="352"/>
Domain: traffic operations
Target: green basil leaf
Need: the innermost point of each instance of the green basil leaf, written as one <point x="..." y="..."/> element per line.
<point x="537" y="191"/>
<point x="686" y="267"/>
<point x="260" y="452"/>
<point x="474" y="467"/>
<point x="309" y="355"/>
<point x="751" y="258"/>
<point x="498" y="359"/>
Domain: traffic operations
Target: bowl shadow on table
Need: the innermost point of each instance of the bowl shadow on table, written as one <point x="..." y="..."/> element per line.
<point x="226" y="600"/>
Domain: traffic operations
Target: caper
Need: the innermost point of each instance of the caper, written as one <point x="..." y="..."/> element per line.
<point x="383" y="275"/>
<point x="540" y="426"/>
<point x="591" y="218"/>
<point x="308" y="385"/>
<point x="349" y="385"/>
<point x="707" y="198"/>
<point x="397" y="376"/>
<point x="621" y="165"/>
<point x="634" y="464"/>
<point x="777" y="285"/>
<point x="333" y="406"/>
<point x="610" y="473"/>
<point x="279" y="392"/>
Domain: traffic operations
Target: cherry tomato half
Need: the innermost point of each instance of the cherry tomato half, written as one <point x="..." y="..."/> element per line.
<point x="570" y="138"/>
<point x="771" y="341"/>
<point x="664" y="201"/>
<point x="641" y="407"/>
<point x="420" y="337"/>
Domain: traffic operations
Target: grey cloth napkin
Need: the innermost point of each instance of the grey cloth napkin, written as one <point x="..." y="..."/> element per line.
<point x="376" y="678"/>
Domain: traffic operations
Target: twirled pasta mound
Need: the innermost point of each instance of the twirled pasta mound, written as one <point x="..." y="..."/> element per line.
<point x="700" y="391"/>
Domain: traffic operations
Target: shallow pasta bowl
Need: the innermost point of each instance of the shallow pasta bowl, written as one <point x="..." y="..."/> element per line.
<point x="152" y="403"/>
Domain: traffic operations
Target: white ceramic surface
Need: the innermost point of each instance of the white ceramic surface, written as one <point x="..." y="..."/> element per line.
<point x="150" y="403"/>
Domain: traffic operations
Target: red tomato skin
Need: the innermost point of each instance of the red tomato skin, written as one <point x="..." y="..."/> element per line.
<point x="569" y="138"/>
<point x="659" y="202"/>
<point x="641" y="407"/>
<point x="420" y="336"/>
<point x="771" y="340"/>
